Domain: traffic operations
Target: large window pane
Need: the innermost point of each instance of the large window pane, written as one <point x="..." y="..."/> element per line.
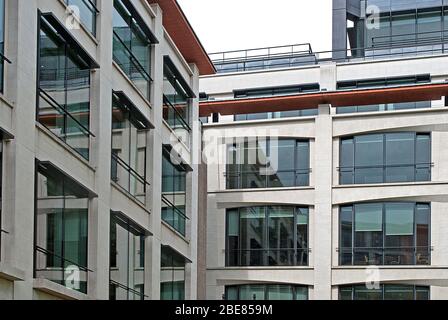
<point x="399" y="219"/>
<point x="172" y="276"/>
<point x="61" y="225"/>
<point x="87" y="12"/>
<point x="127" y="252"/>
<point x="131" y="48"/>
<point x="261" y="236"/>
<point x="385" y="158"/>
<point x="260" y="163"/>
<point x="281" y="236"/>
<point x="266" y="292"/>
<point x="173" y="193"/>
<point x="384" y="292"/>
<point x="64" y="90"/>
<point x="368" y="217"/>
<point x="391" y="233"/>
<point x="128" y="149"/>
<point x="252" y="226"/>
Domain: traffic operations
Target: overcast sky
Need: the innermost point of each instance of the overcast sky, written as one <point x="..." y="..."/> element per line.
<point x="224" y="25"/>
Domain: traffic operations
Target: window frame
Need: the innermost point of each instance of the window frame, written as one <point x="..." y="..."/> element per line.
<point x="383" y="288"/>
<point x="265" y="250"/>
<point x="136" y="119"/>
<point x="239" y="173"/>
<point x="344" y="250"/>
<point x="166" y="154"/>
<point x="266" y="287"/>
<point x="384" y="166"/>
<point x="72" y="45"/>
<point x="118" y="218"/>
<point x="91" y="5"/>
<point x="84" y="193"/>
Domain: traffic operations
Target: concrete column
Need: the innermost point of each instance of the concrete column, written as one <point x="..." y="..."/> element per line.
<point x="323" y="204"/>
<point x="153" y="263"/>
<point x="101" y="117"/>
<point x="192" y="190"/>
<point x="18" y="213"/>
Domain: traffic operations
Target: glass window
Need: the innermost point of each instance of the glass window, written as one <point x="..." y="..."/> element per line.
<point x="177" y="99"/>
<point x="385" y="158"/>
<point x="399" y="219"/>
<point x="384" y="292"/>
<point x="173" y="193"/>
<point x="267" y="236"/>
<point x="64" y="89"/>
<point x="429" y="24"/>
<point x="172" y="276"/>
<point x="261" y="163"/>
<point x="266" y="292"/>
<point x="127" y="259"/>
<point x="132" y="46"/>
<point x="391" y="233"/>
<point x="129" y="135"/>
<point x="87" y="13"/>
<point x="61" y="229"/>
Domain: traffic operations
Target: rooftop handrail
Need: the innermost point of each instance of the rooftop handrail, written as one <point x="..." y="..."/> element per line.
<point x="266" y="52"/>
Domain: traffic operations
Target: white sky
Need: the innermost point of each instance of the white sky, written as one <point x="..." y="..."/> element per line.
<point x="224" y="25"/>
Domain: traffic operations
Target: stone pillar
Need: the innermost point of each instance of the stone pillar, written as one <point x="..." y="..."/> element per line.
<point x="323" y="205"/>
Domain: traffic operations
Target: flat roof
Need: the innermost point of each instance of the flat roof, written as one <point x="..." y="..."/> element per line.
<point x="358" y="97"/>
<point x="176" y="24"/>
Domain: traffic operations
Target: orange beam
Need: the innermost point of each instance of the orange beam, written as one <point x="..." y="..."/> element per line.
<point x="336" y="99"/>
<point x="176" y="24"/>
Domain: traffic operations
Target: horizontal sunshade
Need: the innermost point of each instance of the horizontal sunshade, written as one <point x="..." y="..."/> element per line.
<point x="125" y="222"/>
<point x="51" y="19"/>
<point x="410" y="93"/>
<point x="171" y="68"/>
<point x="143" y="122"/>
<point x="171" y="251"/>
<point x="50" y="170"/>
<point x="141" y="22"/>
<point x="5" y="135"/>
<point x="181" y="166"/>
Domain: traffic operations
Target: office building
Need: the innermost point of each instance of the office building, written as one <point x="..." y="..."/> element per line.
<point x="328" y="179"/>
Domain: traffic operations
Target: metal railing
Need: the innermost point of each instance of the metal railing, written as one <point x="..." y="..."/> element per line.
<point x="172" y="215"/>
<point x="267" y="257"/>
<point x="381" y="171"/>
<point x="57" y="272"/>
<point x="129" y="179"/>
<point x="235" y="180"/>
<point x="63" y="124"/>
<point x="131" y="66"/>
<point x="404" y="255"/>
<point x="225" y="62"/>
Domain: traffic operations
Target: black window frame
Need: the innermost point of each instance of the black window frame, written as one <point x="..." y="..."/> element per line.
<point x="352" y="250"/>
<point x="182" y="215"/>
<point x="134" y="229"/>
<point x="135" y="18"/>
<point x="347" y="169"/>
<point x="266" y="250"/>
<point x="90" y="5"/>
<point x="47" y="168"/>
<point x="140" y="123"/>
<point x="70" y="44"/>
<point x="383" y="288"/>
<point x="266" y="290"/>
<point x="238" y="174"/>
